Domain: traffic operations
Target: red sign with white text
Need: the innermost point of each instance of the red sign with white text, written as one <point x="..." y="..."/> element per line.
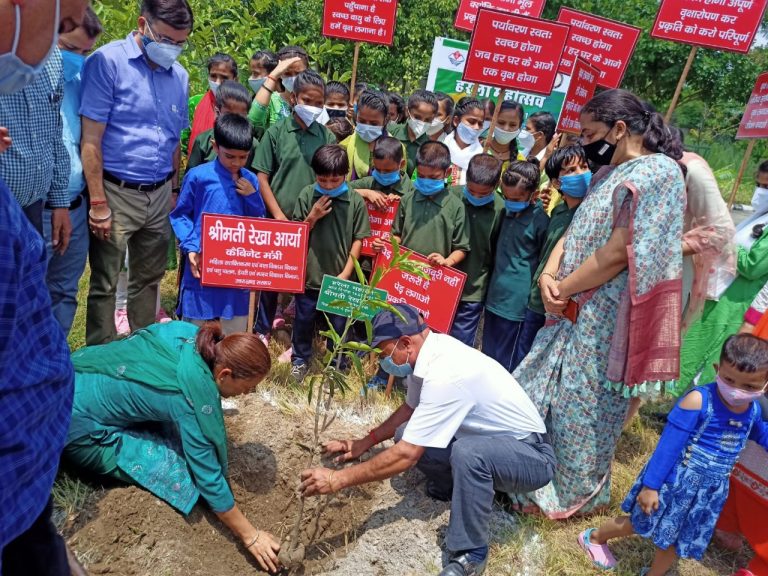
<point x="720" y="24"/>
<point x="604" y="43"/>
<point x="467" y="12"/>
<point x="754" y="123"/>
<point x="381" y="225"/>
<point x="437" y="298"/>
<point x="371" y="21"/>
<point x="254" y="253"/>
<point x="580" y="91"/>
<point x="516" y="52"/>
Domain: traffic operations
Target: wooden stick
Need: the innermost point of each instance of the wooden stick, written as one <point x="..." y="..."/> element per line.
<point x="475" y="88"/>
<point x="740" y="175"/>
<point x="492" y="127"/>
<point x="253" y="308"/>
<point x="354" y="69"/>
<point x="390" y="384"/>
<point x="681" y="83"/>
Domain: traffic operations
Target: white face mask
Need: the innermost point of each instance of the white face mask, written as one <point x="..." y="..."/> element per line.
<point x="15" y="74"/>
<point x="436" y="127"/>
<point x="323" y="118"/>
<point x="760" y="200"/>
<point x="307" y="114"/>
<point x="418" y="127"/>
<point x="255" y="83"/>
<point x="525" y="142"/>
<point x="504" y="137"/>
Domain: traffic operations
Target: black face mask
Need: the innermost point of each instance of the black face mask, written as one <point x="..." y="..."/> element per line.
<point x="336" y="112"/>
<point x="599" y="152"/>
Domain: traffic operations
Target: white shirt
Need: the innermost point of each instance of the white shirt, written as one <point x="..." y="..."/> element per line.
<point x="463" y="392"/>
<point x="461" y="156"/>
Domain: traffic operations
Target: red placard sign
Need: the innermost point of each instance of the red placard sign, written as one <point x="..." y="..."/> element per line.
<point x="517" y="52"/>
<point x="605" y="43"/>
<point x="371" y="21"/>
<point x="719" y="24"/>
<point x="754" y="123"/>
<point x="580" y="91"/>
<point x="381" y="225"/>
<point x="436" y="298"/>
<point x="467" y="12"/>
<point x="254" y="253"/>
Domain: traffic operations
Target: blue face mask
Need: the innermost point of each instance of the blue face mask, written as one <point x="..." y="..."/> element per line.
<point x="515" y="207"/>
<point x="429" y="186"/>
<point x="73" y="64"/>
<point x="576" y="185"/>
<point x="288" y="83"/>
<point x="255" y="83"/>
<point x="334" y="192"/>
<point x="386" y="178"/>
<point x="397" y="370"/>
<point x="368" y="132"/>
<point x="161" y="53"/>
<point x="484" y="201"/>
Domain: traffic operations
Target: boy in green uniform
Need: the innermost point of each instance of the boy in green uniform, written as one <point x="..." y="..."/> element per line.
<point x="485" y="211"/>
<point x="273" y="97"/>
<point x="231" y="98"/>
<point x="422" y="109"/>
<point x="387" y="181"/>
<point x="569" y="173"/>
<point x="522" y="236"/>
<point x="338" y="222"/>
<point x="283" y="163"/>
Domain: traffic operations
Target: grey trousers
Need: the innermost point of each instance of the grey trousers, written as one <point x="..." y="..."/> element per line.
<point x="472" y="468"/>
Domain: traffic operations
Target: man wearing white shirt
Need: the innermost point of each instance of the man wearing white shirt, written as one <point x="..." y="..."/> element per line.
<point x="469" y="427"/>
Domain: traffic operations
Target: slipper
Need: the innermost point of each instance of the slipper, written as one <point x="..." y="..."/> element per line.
<point x="600" y="555"/>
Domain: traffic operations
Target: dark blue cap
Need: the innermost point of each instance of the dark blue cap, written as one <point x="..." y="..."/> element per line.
<point x="389" y="326"/>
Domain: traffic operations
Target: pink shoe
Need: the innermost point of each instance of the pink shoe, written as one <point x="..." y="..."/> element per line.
<point x="285" y="357"/>
<point x="278" y="323"/>
<point x="264" y="338"/>
<point x="162" y="316"/>
<point x="121" y="323"/>
<point x="743" y="572"/>
<point x="600" y="555"/>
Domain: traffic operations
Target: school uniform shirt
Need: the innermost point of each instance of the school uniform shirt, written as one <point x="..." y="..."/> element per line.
<point x="202" y="151"/>
<point x="285" y="155"/>
<point x="484" y="226"/>
<point x="558" y="224"/>
<point x="460" y="158"/>
<point x="517" y="257"/>
<point x="427" y="224"/>
<point x="400" y="131"/>
<point x="330" y="241"/>
<point x="401" y="188"/>
<point x="458" y="391"/>
<point x="210" y="188"/>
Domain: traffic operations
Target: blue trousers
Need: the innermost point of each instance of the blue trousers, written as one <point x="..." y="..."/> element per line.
<point x="466" y="321"/>
<point x="500" y="338"/>
<point x="304" y="326"/>
<point x="531" y="326"/>
<point x="65" y="270"/>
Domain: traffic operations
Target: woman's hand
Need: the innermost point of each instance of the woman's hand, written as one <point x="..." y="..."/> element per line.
<point x="648" y="500"/>
<point x="283" y="65"/>
<point x="550" y="295"/>
<point x="264" y="547"/>
<point x="351" y="449"/>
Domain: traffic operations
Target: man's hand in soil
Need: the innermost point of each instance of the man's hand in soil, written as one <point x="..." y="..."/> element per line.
<point x="317" y="481"/>
<point x="352" y="449"/>
<point x="265" y="550"/>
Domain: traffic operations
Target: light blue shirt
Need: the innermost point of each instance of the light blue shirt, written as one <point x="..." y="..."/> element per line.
<point x="144" y="110"/>
<point x="70" y="114"/>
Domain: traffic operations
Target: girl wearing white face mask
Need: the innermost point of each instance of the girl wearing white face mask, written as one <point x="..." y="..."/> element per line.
<point x="504" y="143"/>
<point x="464" y="141"/>
<point x="442" y="122"/>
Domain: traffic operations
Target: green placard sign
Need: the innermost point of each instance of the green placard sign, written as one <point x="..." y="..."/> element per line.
<point x="335" y="291"/>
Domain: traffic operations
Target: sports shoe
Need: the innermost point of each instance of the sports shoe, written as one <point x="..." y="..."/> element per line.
<point x="121" y="323"/>
<point x="299" y="371"/>
<point x="461" y="566"/>
<point x="438" y="492"/>
<point x="162" y="316"/>
<point x="600" y="555"/>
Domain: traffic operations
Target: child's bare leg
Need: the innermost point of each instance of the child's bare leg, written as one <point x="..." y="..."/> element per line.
<point x="663" y="561"/>
<point x="634" y="408"/>
<point x="613" y="528"/>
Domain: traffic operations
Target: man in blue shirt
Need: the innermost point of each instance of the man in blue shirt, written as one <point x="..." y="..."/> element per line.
<point x="133" y="111"/>
<point x="64" y="270"/>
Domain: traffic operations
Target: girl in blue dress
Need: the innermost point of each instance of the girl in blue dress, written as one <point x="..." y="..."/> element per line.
<point x="677" y="498"/>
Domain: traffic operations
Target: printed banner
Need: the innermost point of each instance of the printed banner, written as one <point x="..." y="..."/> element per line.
<point x="381" y="225"/>
<point x="719" y="24"/>
<point x="605" y="43"/>
<point x="437" y="298"/>
<point x="254" y="253"/>
<point x="754" y="123"/>
<point x="447" y="67"/>
<point x="371" y="21"/>
<point x="467" y="12"/>
<point x="581" y="90"/>
<point x="511" y="51"/>
<point x="334" y="290"/>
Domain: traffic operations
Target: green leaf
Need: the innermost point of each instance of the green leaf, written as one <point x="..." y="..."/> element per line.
<point x="368" y="330"/>
<point x="340" y="304"/>
<point x="358" y="366"/>
<point x="359" y="272"/>
<point x="358" y="346"/>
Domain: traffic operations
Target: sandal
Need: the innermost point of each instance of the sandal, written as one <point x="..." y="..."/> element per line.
<point x="600" y="554"/>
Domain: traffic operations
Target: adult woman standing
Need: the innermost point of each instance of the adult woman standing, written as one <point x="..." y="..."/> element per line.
<point x="147" y="411"/>
<point x="611" y="288"/>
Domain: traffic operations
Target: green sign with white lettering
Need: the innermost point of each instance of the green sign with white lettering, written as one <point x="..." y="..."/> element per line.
<point x="341" y="297"/>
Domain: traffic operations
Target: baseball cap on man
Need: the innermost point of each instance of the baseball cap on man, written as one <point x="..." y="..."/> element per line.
<point x="389" y="326"/>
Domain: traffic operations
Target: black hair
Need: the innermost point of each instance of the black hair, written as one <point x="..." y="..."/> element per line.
<point x="221" y="58"/>
<point x="545" y="123"/>
<point x="266" y="58"/>
<point x="231" y="90"/>
<point x="515" y="107"/>
<point x="330" y="160"/>
<point x="484" y="170"/>
<point x="388" y="148"/>
<point x="341" y="128"/>
<point x="91" y="24"/>
<point x="234" y="132"/>
<point x="562" y="157"/>
<point x="287" y="52"/>
<point x="490" y="105"/>
<point x="334" y="87"/>
<point x="422" y="97"/>
<point x="359" y="88"/>
<point x="443" y="97"/>
<point x="746" y="353"/>
<point x="763" y="167"/>
<point x="522" y="173"/>
<point x="399" y="102"/>
<point x="175" y="13"/>
<point x="374" y="100"/>
<point x="466" y="104"/>
<point x="433" y="155"/>
<point x="306" y="79"/>
<point x="613" y="105"/>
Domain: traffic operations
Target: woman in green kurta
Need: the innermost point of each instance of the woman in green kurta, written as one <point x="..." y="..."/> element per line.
<point x="147" y="411"/>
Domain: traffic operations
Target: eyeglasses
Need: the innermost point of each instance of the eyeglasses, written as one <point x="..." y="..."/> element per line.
<point x="164" y="39"/>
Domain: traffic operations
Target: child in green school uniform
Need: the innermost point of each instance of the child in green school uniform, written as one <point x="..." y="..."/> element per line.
<point x="272" y="101"/>
<point x="372" y="109"/>
<point x="485" y="211"/>
<point x="387" y="181"/>
<point x="338" y="222"/>
<point x="422" y="109"/>
<point x="283" y="166"/>
<point x="522" y="236"/>
<point x="569" y="173"/>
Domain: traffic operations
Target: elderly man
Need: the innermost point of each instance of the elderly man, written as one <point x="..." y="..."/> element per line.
<point x="133" y="111"/>
<point x="469" y="427"/>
